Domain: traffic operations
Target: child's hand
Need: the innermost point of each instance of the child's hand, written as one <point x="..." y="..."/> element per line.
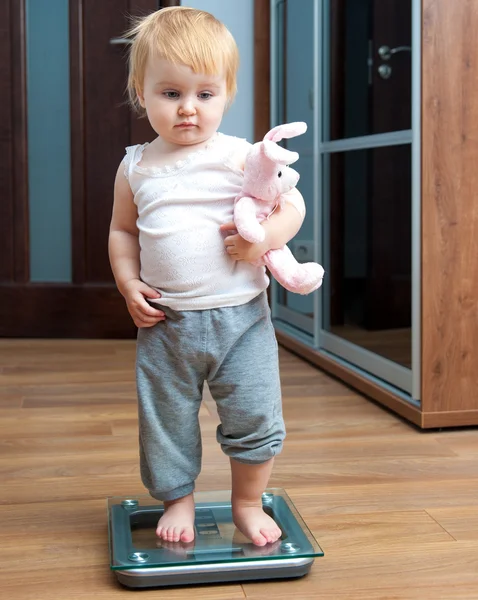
<point x="240" y="249"/>
<point x="142" y="313"/>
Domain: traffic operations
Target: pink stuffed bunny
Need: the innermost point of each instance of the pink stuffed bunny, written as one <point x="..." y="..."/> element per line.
<point x="266" y="178"/>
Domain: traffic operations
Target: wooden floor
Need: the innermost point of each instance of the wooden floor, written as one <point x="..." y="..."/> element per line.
<point x="395" y="509"/>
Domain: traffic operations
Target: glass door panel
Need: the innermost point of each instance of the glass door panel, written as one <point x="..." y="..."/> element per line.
<point x="369" y="257"/>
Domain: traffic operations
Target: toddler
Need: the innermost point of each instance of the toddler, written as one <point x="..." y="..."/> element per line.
<point x="200" y="306"/>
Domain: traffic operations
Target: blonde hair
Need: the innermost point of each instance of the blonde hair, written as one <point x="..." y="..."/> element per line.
<point x="186" y="36"/>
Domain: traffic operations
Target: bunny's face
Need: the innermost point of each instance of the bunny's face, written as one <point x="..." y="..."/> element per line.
<point x="266" y="174"/>
<point x="286" y="178"/>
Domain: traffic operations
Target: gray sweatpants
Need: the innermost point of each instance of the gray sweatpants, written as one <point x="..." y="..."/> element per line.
<point x="234" y="349"/>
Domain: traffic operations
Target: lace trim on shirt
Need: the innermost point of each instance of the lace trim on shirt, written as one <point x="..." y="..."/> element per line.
<point x="175" y="167"/>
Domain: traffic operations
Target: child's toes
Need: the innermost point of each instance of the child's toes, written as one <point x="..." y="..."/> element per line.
<point x="271" y="535"/>
<point x="259" y="539"/>
<point x="268" y="535"/>
<point x="187" y="535"/>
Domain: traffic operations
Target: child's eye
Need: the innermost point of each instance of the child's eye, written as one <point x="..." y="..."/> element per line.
<point x="205" y="95"/>
<point x="171" y="94"/>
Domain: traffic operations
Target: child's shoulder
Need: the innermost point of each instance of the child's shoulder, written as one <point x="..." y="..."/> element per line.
<point x="237" y="149"/>
<point x="233" y="140"/>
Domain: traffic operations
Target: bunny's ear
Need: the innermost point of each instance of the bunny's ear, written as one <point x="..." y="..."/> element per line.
<point x="289" y="130"/>
<point x="278" y="154"/>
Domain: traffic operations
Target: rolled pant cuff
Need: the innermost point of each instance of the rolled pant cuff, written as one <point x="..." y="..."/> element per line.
<point x="248" y="460"/>
<point x="179" y="492"/>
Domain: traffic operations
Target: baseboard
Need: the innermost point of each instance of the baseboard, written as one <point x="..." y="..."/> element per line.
<point x="63" y="311"/>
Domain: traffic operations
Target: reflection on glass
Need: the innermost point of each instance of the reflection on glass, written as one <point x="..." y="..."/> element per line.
<point x="295" y="309"/>
<point x="368" y="286"/>
<point x="370" y="86"/>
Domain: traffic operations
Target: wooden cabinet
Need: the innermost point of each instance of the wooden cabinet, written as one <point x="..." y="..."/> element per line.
<point x="449" y="213"/>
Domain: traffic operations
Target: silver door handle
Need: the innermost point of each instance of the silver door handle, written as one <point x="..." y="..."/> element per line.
<point x="386" y="53"/>
<point x="119" y="41"/>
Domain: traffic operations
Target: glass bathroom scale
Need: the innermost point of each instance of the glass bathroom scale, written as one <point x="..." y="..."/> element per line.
<point x="219" y="551"/>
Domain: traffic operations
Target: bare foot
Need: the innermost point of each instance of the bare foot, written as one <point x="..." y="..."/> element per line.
<point x="254" y="523"/>
<point x="177" y="522"/>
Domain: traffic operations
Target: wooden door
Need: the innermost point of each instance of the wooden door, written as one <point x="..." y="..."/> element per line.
<point x="101" y="126"/>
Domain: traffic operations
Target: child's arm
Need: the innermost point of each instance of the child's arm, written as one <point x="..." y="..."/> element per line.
<point x="280" y="228"/>
<point x="123" y="245"/>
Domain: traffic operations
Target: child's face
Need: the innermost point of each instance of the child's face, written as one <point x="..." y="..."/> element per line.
<point x="183" y="107"/>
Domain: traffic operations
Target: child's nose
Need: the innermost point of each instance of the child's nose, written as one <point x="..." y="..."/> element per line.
<point x="187" y="108"/>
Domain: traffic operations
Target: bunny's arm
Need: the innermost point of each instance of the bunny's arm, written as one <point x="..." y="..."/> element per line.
<point x="245" y="219"/>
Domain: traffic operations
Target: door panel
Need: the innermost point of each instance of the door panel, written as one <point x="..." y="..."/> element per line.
<point x="8" y="88"/>
<point x="13" y="172"/>
<point x="106" y="126"/>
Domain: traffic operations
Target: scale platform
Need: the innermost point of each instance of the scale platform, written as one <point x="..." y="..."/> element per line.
<point x="219" y="551"/>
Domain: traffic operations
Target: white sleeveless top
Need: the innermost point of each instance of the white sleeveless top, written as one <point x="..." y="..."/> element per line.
<point x="180" y="208"/>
